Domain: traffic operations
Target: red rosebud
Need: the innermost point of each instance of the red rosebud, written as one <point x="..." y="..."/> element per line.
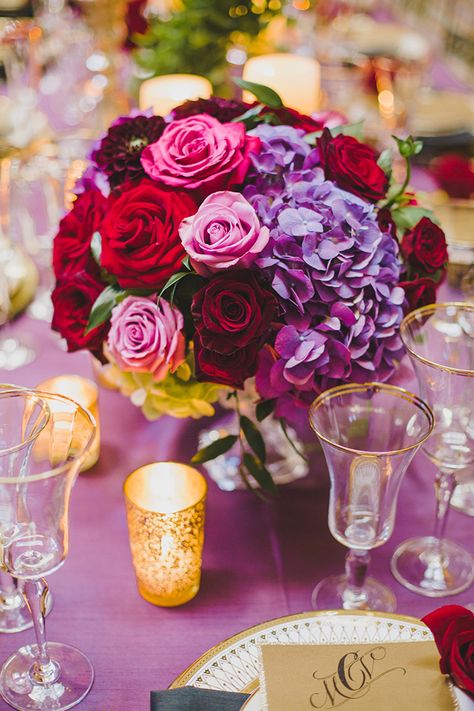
<point x="140" y="240"/>
<point x="233" y="316"/>
<point x="425" y="246"/>
<point x="71" y="246"/>
<point x="352" y="165"/>
<point x="453" y="630"/>
<point x="73" y="299"/>
<point x="455" y="175"/>
<point x="419" y="292"/>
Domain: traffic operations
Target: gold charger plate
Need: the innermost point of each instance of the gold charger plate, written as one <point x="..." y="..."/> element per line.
<point x="233" y="665"/>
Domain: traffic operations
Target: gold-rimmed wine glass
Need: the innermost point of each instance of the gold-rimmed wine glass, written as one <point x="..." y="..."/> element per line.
<point x="369" y="434"/>
<point x="439" y="339"/>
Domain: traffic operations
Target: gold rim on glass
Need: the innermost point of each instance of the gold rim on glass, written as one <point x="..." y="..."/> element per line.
<point x="195" y="666"/>
<point x="431" y="309"/>
<point x="363" y="387"/>
<point x="77" y="458"/>
<point x="11" y="391"/>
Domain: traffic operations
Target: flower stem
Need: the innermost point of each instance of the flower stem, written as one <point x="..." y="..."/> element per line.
<point x="404" y="186"/>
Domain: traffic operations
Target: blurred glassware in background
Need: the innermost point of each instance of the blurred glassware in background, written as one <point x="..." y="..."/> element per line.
<point x="439" y="339"/>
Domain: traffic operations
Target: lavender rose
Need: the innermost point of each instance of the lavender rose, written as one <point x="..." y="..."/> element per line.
<point x="146" y="337"/>
<point x="200" y="151"/>
<point x="225" y="232"/>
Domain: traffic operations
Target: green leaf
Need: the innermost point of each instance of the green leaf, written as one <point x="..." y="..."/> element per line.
<point x="172" y="281"/>
<point x="96" y="246"/>
<point x="215" y="449"/>
<point x="103" y="306"/>
<point x="407" y="217"/>
<point x="250" y="114"/>
<point x="259" y="472"/>
<point x="186" y="263"/>
<point x="253" y="437"/>
<point x="385" y="161"/>
<point x="264" y="94"/>
<point x="264" y="409"/>
<point x="349" y="129"/>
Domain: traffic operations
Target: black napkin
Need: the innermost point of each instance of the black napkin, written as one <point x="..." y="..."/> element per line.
<point x="189" y="698"/>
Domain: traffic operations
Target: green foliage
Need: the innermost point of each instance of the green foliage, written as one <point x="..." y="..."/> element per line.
<point x="215" y="449"/>
<point x="262" y="93"/>
<point x="103" y="305"/>
<point x="195" y="38"/>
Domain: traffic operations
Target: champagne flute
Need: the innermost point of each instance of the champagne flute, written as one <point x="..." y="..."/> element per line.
<point x="439" y="339"/>
<point x="369" y="434"/>
<point x="22" y="418"/>
<point x="36" y="490"/>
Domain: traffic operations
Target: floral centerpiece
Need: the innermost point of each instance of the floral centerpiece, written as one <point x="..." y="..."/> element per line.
<point x="229" y="241"/>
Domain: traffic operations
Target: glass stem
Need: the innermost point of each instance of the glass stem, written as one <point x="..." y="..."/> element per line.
<point x="357" y="563"/>
<point x="444" y="486"/>
<point x="10" y="592"/>
<point x="44" y="670"/>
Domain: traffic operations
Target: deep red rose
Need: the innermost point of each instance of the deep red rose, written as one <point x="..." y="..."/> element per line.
<point x="425" y="246"/>
<point x="453" y="630"/>
<point x="224" y="110"/>
<point x="140" y="240"/>
<point x="455" y="175"/>
<point x="119" y="153"/>
<point x="352" y="165"/>
<point x="71" y="246"/>
<point x="386" y="223"/>
<point x="233" y="316"/>
<point x="421" y="291"/>
<point x="136" y="21"/>
<point x="73" y="299"/>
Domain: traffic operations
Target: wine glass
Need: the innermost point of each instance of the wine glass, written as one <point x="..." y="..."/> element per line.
<point x="22" y="418"/>
<point x="369" y="434"/>
<point x="439" y="339"/>
<point x="36" y="489"/>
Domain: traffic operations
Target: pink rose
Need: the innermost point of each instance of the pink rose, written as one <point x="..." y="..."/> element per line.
<point x="200" y="150"/>
<point x="225" y="232"/>
<point x="146" y="337"/>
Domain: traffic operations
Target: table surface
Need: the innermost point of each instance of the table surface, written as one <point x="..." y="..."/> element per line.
<point x="261" y="560"/>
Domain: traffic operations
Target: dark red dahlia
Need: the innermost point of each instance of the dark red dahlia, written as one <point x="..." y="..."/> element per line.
<point x="118" y="155"/>
<point x="224" y="110"/>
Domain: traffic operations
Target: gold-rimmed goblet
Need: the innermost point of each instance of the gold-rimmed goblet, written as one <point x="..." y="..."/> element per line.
<point x="22" y="419"/>
<point x="35" y="490"/>
<point x="439" y="339"/>
<point x="369" y="434"/>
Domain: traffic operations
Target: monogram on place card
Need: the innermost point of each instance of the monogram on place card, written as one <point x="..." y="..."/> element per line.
<point x="396" y="676"/>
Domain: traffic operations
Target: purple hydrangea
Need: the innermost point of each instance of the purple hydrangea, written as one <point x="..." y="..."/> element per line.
<point x="335" y="271"/>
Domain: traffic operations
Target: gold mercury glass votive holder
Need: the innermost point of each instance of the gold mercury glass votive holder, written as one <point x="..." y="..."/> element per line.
<point x="85" y="393"/>
<point x="166" y="510"/>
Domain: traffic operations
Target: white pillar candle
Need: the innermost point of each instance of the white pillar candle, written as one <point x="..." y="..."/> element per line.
<point x="166" y="92"/>
<point x="296" y="79"/>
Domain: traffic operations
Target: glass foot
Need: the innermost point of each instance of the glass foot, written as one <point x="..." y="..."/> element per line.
<point x="463" y="498"/>
<point x="14" y="354"/>
<point x="14" y="613"/>
<point x="73" y="681"/>
<point x="333" y="594"/>
<point x="432" y="568"/>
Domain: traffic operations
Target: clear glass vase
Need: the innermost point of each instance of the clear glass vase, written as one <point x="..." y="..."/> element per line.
<point x="284" y="462"/>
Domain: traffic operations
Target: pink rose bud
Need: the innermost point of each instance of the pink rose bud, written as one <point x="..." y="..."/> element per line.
<point x="224" y="233"/>
<point x="146" y="336"/>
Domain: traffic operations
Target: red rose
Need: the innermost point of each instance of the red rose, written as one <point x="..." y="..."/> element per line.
<point x="419" y="292"/>
<point x="140" y="240"/>
<point x="455" y="175"/>
<point x="71" y="246"/>
<point x="386" y="223"/>
<point x="232" y="316"/>
<point x="453" y="630"/>
<point x="352" y="165"/>
<point x="425" y="246"/>
<point x="73" y="299"/>
<point x="291" y="117"/>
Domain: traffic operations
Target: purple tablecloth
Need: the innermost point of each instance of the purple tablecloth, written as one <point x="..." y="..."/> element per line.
<point x="261" y="560"/>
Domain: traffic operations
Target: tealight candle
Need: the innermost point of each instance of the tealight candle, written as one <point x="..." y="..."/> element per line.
<point x="165" y="92"/>
<point x="296" y="79"/>
<point x="86" y="394"/>
<point x="165" y="505"/>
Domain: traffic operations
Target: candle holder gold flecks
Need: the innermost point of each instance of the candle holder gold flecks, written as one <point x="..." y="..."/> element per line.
<point x="166" y="545"/>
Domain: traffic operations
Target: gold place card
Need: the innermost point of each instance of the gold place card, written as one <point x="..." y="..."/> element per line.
<point x="395" y="676"/>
